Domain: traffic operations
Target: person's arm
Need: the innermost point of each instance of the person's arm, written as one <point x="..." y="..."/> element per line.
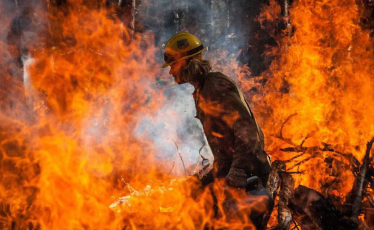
<point x="226" y="105"/>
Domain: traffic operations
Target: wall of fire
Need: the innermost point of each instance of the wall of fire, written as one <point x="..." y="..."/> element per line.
<point x="218" y="23"/>
<point x="221" y="24"/>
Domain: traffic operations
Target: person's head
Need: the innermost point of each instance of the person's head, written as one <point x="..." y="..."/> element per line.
<point x="183" y="53"/>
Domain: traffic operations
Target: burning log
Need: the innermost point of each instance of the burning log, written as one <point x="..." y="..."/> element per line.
<point x="314" y="211"/>
<point x="280" y="178"/>
<point x="311" y="208"/>
<point x="285" y="194"/>
<point x="274" y="178"/>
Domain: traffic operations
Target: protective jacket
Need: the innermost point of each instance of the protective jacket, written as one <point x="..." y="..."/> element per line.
<point x="234" y="137"/>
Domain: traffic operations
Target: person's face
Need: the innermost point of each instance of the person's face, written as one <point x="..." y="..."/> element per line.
<point x="176" y="71"/>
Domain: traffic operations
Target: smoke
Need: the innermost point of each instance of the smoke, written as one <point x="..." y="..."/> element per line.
<point x="217" y="24"/>
<point x="220" y="25"/>
<point x="175" y="124"/>
<point x="23" y="31"/>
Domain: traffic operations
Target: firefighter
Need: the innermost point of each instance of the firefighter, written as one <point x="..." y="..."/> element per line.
<point x="236" y="140"/>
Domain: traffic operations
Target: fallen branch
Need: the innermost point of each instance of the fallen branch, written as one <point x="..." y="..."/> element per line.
<point x="326" y="148"/>
<point x="301" y="172"/>
<point x="280" y="135"/>
<point x="299" y="148"/>
<point x="293" y="158"/>
<point x="300" y="162"/>
<point x="284" y="123"/>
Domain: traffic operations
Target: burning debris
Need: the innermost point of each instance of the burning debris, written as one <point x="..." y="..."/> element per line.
<point x="93" y="135"/>
<point x="312" y="210"/>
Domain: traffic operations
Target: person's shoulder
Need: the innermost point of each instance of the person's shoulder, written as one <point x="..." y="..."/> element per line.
<point x="219" y="81"/>
<point x="217" y="76"/>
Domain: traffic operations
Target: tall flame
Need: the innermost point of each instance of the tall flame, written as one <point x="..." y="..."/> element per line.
<point x="88" y="86"/>
<point x="319" y="91"/>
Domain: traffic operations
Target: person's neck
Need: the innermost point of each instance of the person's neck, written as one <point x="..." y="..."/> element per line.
<point x="196" y="84"/>
<point x="197" y="81"/>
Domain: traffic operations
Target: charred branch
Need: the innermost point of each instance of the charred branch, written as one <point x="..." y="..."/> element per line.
<point x="280" y="135"/>
<point x="286" y="193"/>
<point x="360" y="182"/>
<point x="274" y="178"/>
<point x="324" y="147"/>
<point x="301" y="162"/>
<point x="281" y="179"/>
<point x="349" y="157"/>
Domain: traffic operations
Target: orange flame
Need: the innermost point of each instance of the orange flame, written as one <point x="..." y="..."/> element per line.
<point x="70" y="158"/>
<point x="319" y="91"/>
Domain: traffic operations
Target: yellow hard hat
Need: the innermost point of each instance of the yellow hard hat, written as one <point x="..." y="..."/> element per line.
<point x="181" y="46"/>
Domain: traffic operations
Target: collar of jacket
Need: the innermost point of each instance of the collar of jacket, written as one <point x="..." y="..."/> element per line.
<point x="199" y="82"/>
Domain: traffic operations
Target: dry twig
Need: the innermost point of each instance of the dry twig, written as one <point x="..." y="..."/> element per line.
<point x="280" y="135"/>
<point x="202" y="157"/>
<point x="172" y="167"/>
<point x="180" y="155"/>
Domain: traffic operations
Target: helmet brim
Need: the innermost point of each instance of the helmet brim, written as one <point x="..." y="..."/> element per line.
<point x="185" y="57"/>
<point x="165" y="65"/>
